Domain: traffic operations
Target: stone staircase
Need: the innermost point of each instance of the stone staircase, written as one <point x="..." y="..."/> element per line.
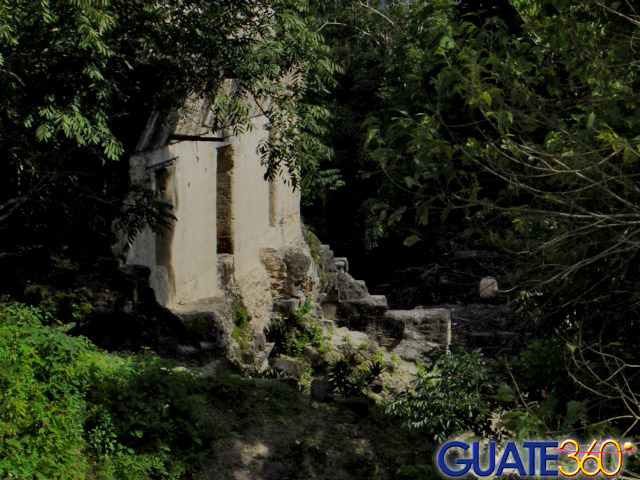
<point x="344" y="306"/>
<point x="346" y="302"/>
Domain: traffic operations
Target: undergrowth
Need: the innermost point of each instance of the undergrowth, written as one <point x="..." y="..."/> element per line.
<point x="69" y="410"/>
<point x="241" y="329"/>
<point x="291" y="334"/>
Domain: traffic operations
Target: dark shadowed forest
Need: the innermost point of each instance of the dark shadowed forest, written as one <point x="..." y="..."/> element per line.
<point x="475" y="160"/>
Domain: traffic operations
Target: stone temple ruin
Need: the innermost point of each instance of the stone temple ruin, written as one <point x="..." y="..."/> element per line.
<point x="238" y="238"/>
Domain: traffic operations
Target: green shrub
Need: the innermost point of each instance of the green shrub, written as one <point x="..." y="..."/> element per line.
<point x="312" y="243"/>
<point x="542" y="393"/>
<point x="153" y="408"/>
<point x="68" y="306"/>
<point x="241" y="328"/>
<point x="346" y="377"/>
<point x="292" y="334"/>
<point x="43" y="373"/>
<point x="71" y="411"/>
<point x="456" y="393"/>
<point x="351" y="375"/>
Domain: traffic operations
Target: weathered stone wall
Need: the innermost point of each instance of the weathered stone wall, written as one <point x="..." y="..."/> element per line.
<point x="266" y="215"/>
<point x="182" y="259"/>
<point x="227" y="217"/>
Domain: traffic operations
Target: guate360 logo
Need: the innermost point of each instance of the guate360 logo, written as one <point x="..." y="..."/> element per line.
<point x="534" y="458"/>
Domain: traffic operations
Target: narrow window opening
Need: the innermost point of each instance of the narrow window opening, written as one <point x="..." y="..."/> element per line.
<point x="273" y="204"/>
<point x="164" y="238"/>
<point x="223" y="200"/>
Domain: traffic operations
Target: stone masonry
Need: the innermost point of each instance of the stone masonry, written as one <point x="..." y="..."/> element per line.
<point x="237" y="243"/>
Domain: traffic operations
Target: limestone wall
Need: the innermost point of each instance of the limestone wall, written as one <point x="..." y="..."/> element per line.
<point x="227" y="215"/>
<point x="266" y="215"/>
<point x="183" y="258"/>
<point x="238" y="236"/>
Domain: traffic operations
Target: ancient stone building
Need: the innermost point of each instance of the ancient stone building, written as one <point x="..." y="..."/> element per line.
<point x="238" y="238"/>
<point x="228" y="217"/>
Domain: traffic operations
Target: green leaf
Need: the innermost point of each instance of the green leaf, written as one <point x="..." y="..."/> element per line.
<point x="630" y="156"/>
<point x="486" y="97"/>
<point x="446" y="43"/>
<point x="411" y="240"/>
<point x="409" y="182"/>
<point x="505" y="393"/>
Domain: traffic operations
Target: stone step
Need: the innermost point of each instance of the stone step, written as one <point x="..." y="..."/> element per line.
<point x="414" y="347"/>
<point x="371" y="306"/>
<point x="286" y="307"/>
<point x="377" y="299"/>
<point x="342" y="336"/>
<point x="419" y="316"/>
<point x="434" y="324"/>
<point x="342" y="264"/>
<point x="291" y="367"/>
<point x="327" y="323"/>
<point x="369" y="315"/>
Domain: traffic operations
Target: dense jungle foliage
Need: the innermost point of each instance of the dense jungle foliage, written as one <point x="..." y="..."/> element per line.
<point x="444" y="125"/>
<point x="69" y="410"/>
<point x="79" y="79"/>
<point x="504" y="126"/>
